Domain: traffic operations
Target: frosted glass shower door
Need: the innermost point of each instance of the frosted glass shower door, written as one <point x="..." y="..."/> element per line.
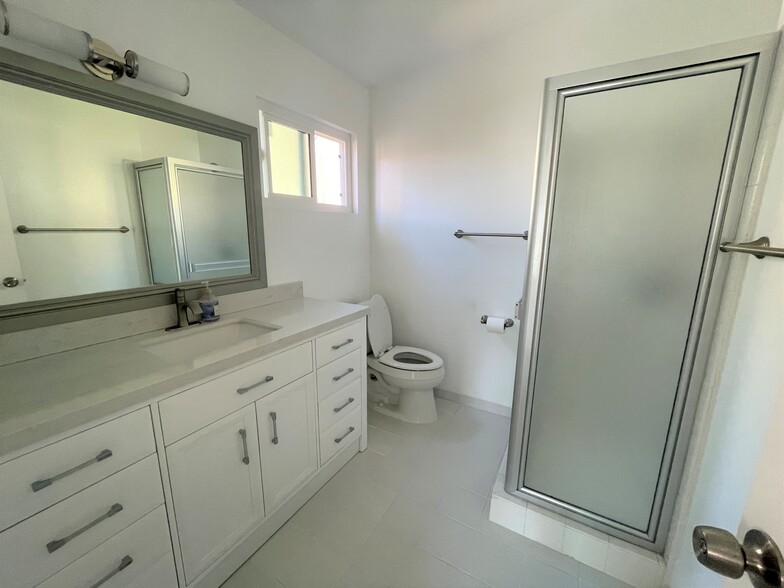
<point x="642" y="173"/>
<point x="638" y="176"/>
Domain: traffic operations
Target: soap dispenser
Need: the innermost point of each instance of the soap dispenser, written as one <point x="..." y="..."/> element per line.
<point x="207" y="303"/>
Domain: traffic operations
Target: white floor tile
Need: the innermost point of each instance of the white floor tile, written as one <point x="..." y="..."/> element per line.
<point x="422" y="570"/>
<point x="450" y="541"/>
<point x="413" y="512"/>
<point x="494" y="563"/>
<point x="318" y="566"/>
<point x="537" y="574"/>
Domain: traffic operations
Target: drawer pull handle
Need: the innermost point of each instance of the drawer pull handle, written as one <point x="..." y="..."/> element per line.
<point x="251" y="387"/>
<point x="124" y="563"/>
<point x="343" y="375"/>
<point x="244" y="435"/>
<point x="346" y="342"/>
<point x="274" y="417"/>
<point x="41" y="484"/>
<point x="53" y="546"/>
<point x="346" y="434"/>
<point x="344" y="405"/>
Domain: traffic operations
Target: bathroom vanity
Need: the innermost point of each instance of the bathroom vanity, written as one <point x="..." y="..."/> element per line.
<point x="181" y="457"/>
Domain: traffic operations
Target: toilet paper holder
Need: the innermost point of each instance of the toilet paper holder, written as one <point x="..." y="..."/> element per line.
<point x="507" y="323"/>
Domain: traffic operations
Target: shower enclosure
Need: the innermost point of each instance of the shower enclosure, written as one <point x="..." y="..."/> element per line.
<point x="641" y="173"/>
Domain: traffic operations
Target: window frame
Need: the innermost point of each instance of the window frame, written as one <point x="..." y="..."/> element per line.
<point x="269" y="112"/>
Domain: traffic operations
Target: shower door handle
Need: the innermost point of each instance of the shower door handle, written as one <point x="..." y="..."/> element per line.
<point x="759" y="556"/>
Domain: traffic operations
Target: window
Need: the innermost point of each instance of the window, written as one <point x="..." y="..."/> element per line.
<point x="307" y="161"/>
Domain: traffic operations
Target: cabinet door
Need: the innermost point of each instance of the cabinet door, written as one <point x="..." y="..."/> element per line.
<point x="216" y="486"/>
<point x="288" y="439"/>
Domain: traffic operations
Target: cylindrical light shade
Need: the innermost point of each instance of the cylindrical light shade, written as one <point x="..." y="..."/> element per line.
<point x="152" y="72"/>
<point x="28" y="26"/>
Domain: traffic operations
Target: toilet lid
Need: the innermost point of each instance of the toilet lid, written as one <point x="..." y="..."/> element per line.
<point x="379" y="326"/>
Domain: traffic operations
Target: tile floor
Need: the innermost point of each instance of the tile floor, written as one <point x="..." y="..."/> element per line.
<point x="411" y="512"/>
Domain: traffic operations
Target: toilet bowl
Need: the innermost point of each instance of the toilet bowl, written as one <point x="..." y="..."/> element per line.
<point x="400" y="378"/>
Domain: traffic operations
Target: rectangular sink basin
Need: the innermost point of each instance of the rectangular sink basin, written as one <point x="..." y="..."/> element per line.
<point x="205" y="344"/>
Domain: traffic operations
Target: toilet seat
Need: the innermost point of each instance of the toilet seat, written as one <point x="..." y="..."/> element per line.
<point x="399" y="357"/>
<point x="412" y="359"/>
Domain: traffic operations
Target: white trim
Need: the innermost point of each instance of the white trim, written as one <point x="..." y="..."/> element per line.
<point x="478" y="403"/>
<point x="270" y="112"/>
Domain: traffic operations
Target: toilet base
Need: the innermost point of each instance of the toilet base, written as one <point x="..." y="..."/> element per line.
<point x="416" y="406"/>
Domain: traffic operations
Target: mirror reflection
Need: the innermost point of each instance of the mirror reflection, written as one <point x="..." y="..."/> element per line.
<point x="94" y="199"/>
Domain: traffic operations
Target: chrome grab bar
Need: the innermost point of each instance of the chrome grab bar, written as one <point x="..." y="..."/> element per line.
<point x="346" y="434"/>
<point x="343" y="375"/>
<point x="759" y="248"/>
<point x="274" y="417"/>
<point x="56" y="544"/>
<point x="124" y="563"/>
<point x="41" y="484"/>
<point x="460" y="233"/>
<point x="346" y="342"/>
<point x="252" y="386"/>
<point x="344" y="405"/>
<point x="245" y="457"/>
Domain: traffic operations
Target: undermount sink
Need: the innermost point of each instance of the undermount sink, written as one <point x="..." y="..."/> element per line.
<point x="204" y="344"/>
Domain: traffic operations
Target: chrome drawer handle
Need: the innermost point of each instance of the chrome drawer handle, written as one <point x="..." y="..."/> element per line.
<point x="244" y="435"/>
<point x="124" y="563"/>
<point x="346" y="342"/>
<point x="53" y="546"/>
<point x="343" y="375"/>
<point x="344" y="405"/>
<point x="41" y="484"/>
<point x="251" y="387"/>
<point x="346" y="434"/>
<point x="274" y="418"/>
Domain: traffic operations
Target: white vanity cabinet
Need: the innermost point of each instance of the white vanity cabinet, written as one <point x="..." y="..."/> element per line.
<point x="70" y="507"/>
<point x="215" y="479"/>
<point x="180" y="490"/>
<point x="287" y="439"/>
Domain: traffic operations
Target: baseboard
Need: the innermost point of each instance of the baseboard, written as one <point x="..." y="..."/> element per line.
<point x="477" y="403"/>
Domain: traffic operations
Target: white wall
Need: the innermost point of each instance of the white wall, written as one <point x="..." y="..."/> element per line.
<point x="454" y="148"/>
<point x="231" y="57"/>
<point x="735" y="472"/>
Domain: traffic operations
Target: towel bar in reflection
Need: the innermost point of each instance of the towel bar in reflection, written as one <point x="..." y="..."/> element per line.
<point x="25" y="229"/>
<point x="759" y="248"/>
<point x="460" y="233"/>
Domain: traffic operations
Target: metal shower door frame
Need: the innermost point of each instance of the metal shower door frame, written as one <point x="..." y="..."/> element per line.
<point x="754" y="57"/>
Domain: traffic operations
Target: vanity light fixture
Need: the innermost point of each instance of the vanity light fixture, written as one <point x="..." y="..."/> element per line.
<point x="97" y="56"/>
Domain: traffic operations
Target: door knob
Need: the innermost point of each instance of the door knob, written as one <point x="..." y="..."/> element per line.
<point x="759" y="556"/>
<point x="10" y="282"/>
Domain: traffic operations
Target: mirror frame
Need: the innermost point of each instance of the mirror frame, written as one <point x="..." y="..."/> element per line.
<point x="29" y="71"/>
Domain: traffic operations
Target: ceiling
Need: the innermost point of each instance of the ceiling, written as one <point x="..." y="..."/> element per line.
<point x="377" y="41"/>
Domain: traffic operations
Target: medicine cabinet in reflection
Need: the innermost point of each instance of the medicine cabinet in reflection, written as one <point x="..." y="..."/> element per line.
<point x="190" y="212"/>
<point x="641" y="175"/>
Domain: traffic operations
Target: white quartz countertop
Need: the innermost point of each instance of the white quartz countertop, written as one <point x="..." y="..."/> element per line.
<point x="47" y="396"/>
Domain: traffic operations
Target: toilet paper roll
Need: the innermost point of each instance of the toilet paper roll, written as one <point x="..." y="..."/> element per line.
<point x="495" y="324"/>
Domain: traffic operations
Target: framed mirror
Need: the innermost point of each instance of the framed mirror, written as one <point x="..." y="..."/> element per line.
<point x="111" y="198"/>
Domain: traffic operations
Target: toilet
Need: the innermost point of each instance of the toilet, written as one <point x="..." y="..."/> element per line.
<point x="400" y="378"/>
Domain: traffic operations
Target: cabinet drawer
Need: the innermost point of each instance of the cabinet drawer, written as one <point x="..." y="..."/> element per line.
<point x="195" y="408"/>
<point x="334" y="376"/>
<point x="340" y="435"/>
<point x="36" y="548"/>
<point x="138" y="557"/>
<point x="340" y="404"/>
<point x="338" y="343"/>
<point x="37" y="480"/>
